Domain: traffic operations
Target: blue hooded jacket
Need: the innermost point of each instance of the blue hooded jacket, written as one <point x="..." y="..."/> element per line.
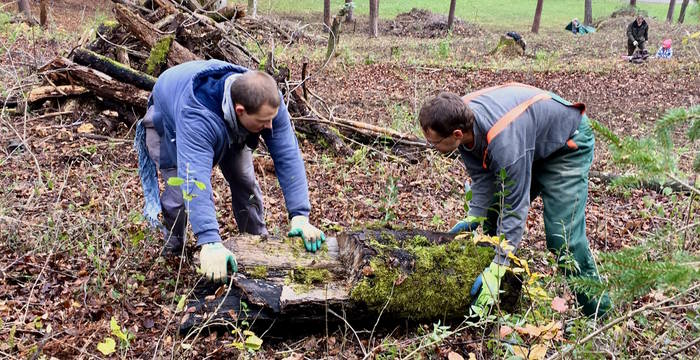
<point x="187" y="102"/>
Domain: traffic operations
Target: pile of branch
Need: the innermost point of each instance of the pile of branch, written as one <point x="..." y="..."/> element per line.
<point x="119" y="68"/>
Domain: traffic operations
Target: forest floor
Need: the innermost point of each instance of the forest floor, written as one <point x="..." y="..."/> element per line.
<point x="75" y="254"/>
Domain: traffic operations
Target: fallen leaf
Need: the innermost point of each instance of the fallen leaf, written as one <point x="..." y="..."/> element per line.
<point x="86" y="128"/>
<point x="530" y="330"/>
<point x="535" y="352"/>
<point x="454" y="356"/>
<point x="559" y="305"/>
<point x="505" y="331"/>
<point x="148" y="323"/>
<point x="472" y="356"/>
<point x="107" y="347"/>
<point x="294" y="356"/>
<point x="399" y="280"/>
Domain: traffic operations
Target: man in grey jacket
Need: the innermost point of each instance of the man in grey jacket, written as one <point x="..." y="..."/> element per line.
<point x="518" y="142"/>
<point x="637" y="35"/>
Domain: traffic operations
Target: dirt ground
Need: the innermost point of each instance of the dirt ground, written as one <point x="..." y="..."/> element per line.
<point x="73" y="254"/>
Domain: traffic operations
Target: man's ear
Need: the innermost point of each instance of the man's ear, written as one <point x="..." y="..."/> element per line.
<point x="240" y="109"/>
<point x="458" y="134"/>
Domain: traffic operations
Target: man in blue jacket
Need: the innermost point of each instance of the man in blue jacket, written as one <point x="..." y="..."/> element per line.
<point x="207" y="113"/>
<point x="544" y="146"/>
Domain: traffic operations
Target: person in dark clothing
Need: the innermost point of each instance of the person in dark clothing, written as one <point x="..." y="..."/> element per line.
<point x="637" y="35"/>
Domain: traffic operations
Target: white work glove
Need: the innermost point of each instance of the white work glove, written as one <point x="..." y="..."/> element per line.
<point x="312" y="236"/>
<point x="635" y="43"/>
<point x="215" y="259"/>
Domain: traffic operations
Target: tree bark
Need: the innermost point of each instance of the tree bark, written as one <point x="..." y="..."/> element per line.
<point x="681" y="16"/>
<point x="24" y="8"/>
<point x="348" y="15"/>
<point x="588" y="13"/>
<point x="45" y="92"/>
<point x="333" y="37"/>
<point x="669" y="14"/>
<point x="373" y="18"/>
<point x="253" y="8"/>
<point x="114" y="69"/>
<point x="273" y="281"/>
<point x="147" y="33"/>
<point x="633" y="3"/>
<point x="538" y="15"/>
<point x="44" y="13"/>
<point x="451" y="15"/>
<point x="327" y="13"/>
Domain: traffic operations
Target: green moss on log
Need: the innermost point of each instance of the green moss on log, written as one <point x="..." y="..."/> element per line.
<point x="258" y="272"/>
<point x="435" y="283"/>
<point x="159" y="54"/>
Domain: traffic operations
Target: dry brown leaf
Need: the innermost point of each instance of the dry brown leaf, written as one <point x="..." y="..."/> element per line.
<point x="530" y="330"/>
<point x="86" y="128"/>
<point x="559" y="305"/>
<point x="294" y="356"/>
<point x="454" y="356"/>
<point x="505" y="331"/>
<point x="535" y="352"/>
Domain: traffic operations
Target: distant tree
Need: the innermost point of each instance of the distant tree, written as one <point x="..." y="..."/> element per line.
<point x="23" y="7"/>
<point x="681" y="16"/>
<point x="451" y="16"/>
<point x="373" y="18"/>
<point x="538" y="16"/>
<point x="327" y="12"/>
<point x="252" y="8"/>
<point x="348" y="16"/>
<point x="588" y="13"/>
<point x="633" y="3"/>
<point x="44" y="13"/>
<point x="669" y="14"/>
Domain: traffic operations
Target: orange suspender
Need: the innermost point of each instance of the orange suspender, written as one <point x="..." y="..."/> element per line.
<point x="508" y="118"/>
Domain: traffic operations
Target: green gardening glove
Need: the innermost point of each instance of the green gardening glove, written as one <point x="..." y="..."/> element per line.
<point x="486" y="288"/>
<point x="215" y="260"/>
<point x="312" y="236"/>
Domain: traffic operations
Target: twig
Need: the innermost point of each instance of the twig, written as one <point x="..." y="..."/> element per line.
<point x="688" y="345"/>
<point x="619" y="319"/>
<point x="359" y="342"/>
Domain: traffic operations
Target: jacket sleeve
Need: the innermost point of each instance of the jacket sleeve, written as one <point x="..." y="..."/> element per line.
<point x="195" y="158"/>
<point x="630" y="37"/>
<point x="517" y="203"/>
<point x="646" y="33"/>
<point x="289" y="165"/>
<point x="483" y="186"/>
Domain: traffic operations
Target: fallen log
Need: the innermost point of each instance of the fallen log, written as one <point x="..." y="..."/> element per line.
<point x="645" y="183"/>
<point x="49" y="91"/>
<point x="114" y="69"/>
<point x="402" y="274"/>
<point x="98" y="82"/>
<point x="150" y="35"/>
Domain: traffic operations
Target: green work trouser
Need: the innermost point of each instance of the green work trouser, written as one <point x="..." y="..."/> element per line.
<point x="562" y="181"/>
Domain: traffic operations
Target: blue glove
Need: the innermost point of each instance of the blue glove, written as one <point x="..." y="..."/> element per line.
<point x="463" y="226"/>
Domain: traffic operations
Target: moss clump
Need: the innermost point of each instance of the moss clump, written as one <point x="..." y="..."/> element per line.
<point x="159" y="54"/>
<point x="304" y="276"/>
<point x="436" y="283"/>
<point x="258" y="272"/>
<point x="112" y="24"/>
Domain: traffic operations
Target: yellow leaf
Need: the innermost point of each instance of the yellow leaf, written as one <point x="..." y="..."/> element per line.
<point x="535" y="352"/>
<point x="253" y="342"/>
<point x="181" y="303"/>
<point x="472" y="356"/>
<point x="185" y="346"/>
<point x="86" y="128"/>
<point x="107" y="347"/>
<point x="117" y="330"/>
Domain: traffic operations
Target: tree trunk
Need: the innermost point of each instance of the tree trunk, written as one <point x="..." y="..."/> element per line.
<point x="451" y="15"/>
<point x="538" y="16"/>
<point x="633" y="3"/>
<point x="588" y="13"/>
<point x="114" y="69"/>
<point x="327" y="13"/>
<point x="373" y="18"/>
<point x="359" y="275"/>
<point x="24" y="8"/>
<point x="333" y="37"/>
<point x="348" y="16"/>
<point x="669" y="14"/>
<point x="44" y="13"/>
<point x="681" y="16"/>
<point x="253" y="8"/>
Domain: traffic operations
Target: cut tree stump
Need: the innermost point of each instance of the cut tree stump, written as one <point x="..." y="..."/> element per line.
<point x="403" y="274"/>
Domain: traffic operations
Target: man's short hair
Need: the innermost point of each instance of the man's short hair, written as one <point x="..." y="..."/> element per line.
<point x="253" y="89"/>
<point x="446" y="113"/>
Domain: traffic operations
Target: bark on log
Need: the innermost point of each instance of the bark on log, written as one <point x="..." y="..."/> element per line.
<point x="98" y="82"/>
<point x="114" y="69"/>
<point x="45" y="92"/>
<point x="150" y="35"/>
<point x="233" y="11"/>
<point x="283" y="284"/>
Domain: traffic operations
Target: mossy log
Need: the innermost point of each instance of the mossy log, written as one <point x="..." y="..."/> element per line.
<point x="114" y="69"/>
<point x="406" y="275"/>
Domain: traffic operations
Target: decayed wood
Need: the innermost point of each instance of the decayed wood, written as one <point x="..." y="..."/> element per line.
<point x="646" y="184"/>
<point x="232" y="11"/>
<point x="273" y="296"/>
<point x="113" y="68"/>
<point x="150" y="35"/>
<point x="45" y="92"/>
<point x="98" y="82"/>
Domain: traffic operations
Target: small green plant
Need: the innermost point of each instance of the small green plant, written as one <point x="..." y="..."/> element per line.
<point x="390" y="200"/>
<point x="359" y="157"/>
